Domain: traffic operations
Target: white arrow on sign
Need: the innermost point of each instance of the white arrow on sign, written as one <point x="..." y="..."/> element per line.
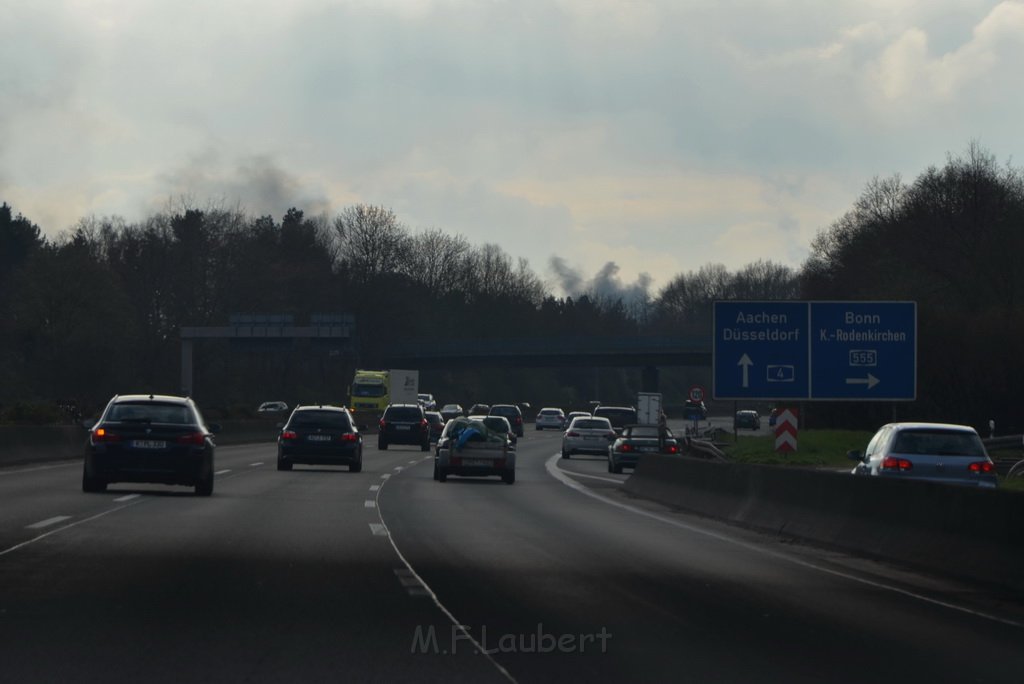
<point x="746" y="363"/>
<point x="870" y="381"/>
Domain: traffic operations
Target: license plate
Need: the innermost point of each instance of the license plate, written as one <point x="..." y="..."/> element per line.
<point x="402" y="427"/>
<point x="149" y="444"/>
<point x="648" y="450"/>
<point x="477" y="462"/>
<point x="591" y="437"/>
<point x="319" y="438"/>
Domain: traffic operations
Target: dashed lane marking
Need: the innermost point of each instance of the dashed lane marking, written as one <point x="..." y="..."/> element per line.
<point x="127" y="497"/>
<point x="48" y="522"/>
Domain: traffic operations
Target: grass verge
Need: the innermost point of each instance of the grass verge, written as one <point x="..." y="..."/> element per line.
<point x="815" y="448"/>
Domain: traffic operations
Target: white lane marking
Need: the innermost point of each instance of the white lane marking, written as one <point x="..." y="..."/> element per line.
<point x="127" y="497"/>
<point x="374" y="488"/>
<point x="256" y="464"/>
<point x="44" y="535"/>
<point x="76" y="462"/>
<point x="369" y="503"/>
<point x="48" y="522"/>
<point x="385" y="476"/>
<point x="425" y="591"/>
<point x="559" y="474"/>
<point x="223" y="472"/>
<point x="399" y="468"/>
<point x="573" y="473"/>
<point x="413" y="462"/>
<point x="377" y="530"/>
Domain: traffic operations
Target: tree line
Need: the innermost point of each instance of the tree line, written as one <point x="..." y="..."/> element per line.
<point x="99" y="309"/>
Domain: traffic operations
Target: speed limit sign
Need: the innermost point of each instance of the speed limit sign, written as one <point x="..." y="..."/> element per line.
<point x="696" y="393"/>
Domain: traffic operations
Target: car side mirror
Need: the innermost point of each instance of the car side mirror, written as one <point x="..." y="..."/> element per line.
<point x="854" y="455"/>
<point x="88" y="423"/>
<point x="214" y="428"/>
<point x="279" y="426"/>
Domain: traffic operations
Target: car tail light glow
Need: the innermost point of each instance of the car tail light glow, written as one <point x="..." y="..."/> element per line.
<point x="102" y="435"/>
<point x="193" y="438"/>
<point x="893" y="463"/>
<point x="572" y="433"/>
<point x="288" y="434"/>
<point x="671" y="449"/>
<point x="348" y="437"/>
<point x="383" y="424"/>
<point x="625" y="447"/>
<point x="981" y="467"/>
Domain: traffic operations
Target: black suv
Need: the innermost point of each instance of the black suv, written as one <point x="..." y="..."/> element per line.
<point x="512" y="414"/>
<point x="404" y="424"/>
<point x="320" y="435"/>
<point x="618" y="416"/>
<point x="150" y="438"/>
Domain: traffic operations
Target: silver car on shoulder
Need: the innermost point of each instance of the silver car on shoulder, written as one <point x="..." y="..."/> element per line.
<point x="586" y="435"/>
<point x="937" y="452"/>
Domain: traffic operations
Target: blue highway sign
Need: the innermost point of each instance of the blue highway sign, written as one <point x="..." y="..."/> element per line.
<point x="815" y="350"/>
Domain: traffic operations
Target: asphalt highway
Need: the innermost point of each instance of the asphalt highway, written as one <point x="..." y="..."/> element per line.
<point x="319" y="574"/>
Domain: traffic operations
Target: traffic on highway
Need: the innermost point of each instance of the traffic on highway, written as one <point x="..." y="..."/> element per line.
<point x="331" y="572"/>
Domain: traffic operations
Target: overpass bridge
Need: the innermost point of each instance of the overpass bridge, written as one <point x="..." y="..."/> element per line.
<point x="589" y="351"/>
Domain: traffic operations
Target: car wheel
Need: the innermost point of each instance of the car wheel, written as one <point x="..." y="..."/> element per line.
<point x="204" y="487"/>
<point x="565" y="454"/>
<point x="283" y="464"/>
<point x="435" y="472"/>
<point x="616" y="468"/>
<point x="425" y="446"/>
<point x="538" y="427"/>
<point x="356" y="467"/>
<point x="382" y="445"/>
<point x="442" y="476"/>
<point x="92" y="484"/>
<point x="509" y="477"/>
<point x="610" y="467"/>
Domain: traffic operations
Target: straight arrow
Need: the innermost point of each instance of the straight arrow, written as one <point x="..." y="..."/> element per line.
<point x="746" y="363"/>
<point x="870" y="381"/>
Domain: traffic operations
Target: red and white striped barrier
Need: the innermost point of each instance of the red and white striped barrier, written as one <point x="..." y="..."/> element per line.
<point x="785" y="430"/>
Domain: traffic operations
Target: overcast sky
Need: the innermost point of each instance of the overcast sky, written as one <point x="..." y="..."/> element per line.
<point x="660" y="135"/>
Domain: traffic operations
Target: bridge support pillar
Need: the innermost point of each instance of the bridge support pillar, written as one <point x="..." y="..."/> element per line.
<point x="649" y="379"/>
<point x="186" y="367"/>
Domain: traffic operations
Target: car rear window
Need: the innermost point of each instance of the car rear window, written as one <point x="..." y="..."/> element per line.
<point x="496" y="423"/>
<point x="504" y="410"/>
<point x="591" y="424"/>
<point x="404" y="413"/>
<point x="938" y="443"/>
<point x="618" y="417"/>
<point x="551" y="412"/>
<point x="644" y="431"/>
<point x="151" y="412"/>
<point x="329" y="419"/>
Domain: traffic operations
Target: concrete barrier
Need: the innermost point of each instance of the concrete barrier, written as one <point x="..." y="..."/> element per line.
<point x="25" y="444"/>
<point x="961" y="532"/>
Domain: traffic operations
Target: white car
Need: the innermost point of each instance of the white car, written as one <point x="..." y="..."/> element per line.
<point x="550" y="418"/>
<point x="586" y="435"/>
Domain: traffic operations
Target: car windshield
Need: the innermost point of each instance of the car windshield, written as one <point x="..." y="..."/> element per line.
<point x="368" y="391"/>
<point x="939" y="443"/>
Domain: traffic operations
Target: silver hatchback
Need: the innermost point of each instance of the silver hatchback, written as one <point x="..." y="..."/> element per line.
<point x="938" y="452"/>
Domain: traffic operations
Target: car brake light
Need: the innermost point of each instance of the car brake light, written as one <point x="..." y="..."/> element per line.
<point x="349" y="437"/>
<point x="981" y="467"/>
<point x="383" y="424"/>
<point x="625" y="447"/>
<point x="193" y="438"/>
<point x="893" y="463"/>
<point x="288" y="434"/>
<point x="672" y="449"/>
<point x="101" y="435"/>
<point x="519" y="420"/>
<point x="572" y="433"/>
